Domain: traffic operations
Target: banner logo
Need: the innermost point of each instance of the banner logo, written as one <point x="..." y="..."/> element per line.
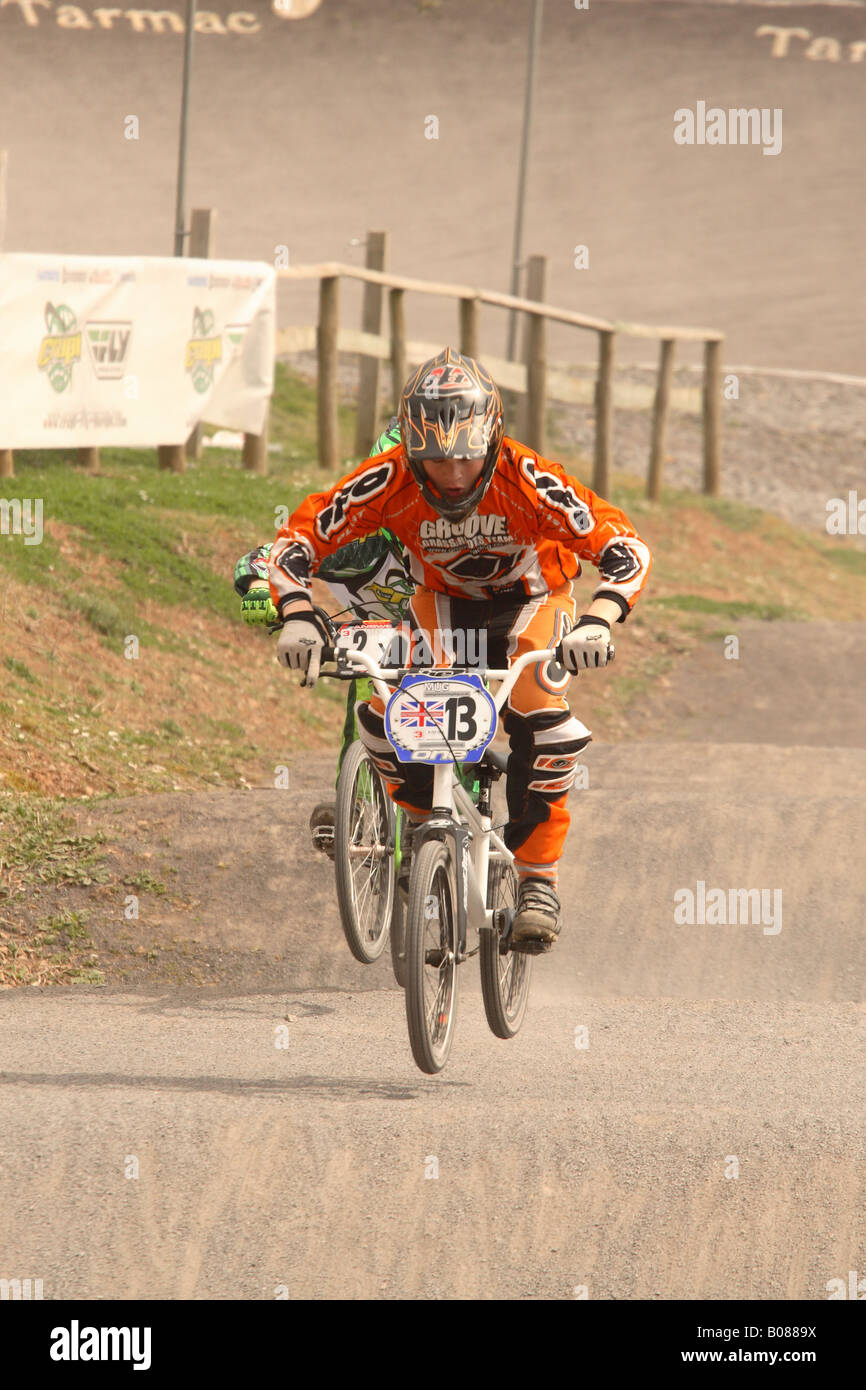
<point x="60" y="349"/>
<point x="203" y="349"/>
<point x="108" y="344"/>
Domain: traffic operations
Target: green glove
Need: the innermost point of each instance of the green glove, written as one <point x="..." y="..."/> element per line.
<point x="257" y="606"/>
<point x="252" y="566"/>
<point x="387" y="439"/>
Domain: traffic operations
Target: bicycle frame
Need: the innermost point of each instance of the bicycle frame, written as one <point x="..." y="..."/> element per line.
<point x="472" y="833"/>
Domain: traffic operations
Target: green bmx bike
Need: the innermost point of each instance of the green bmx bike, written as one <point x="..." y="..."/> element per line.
<point x="368" y="827"/>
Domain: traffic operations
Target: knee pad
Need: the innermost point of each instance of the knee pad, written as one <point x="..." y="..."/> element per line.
<point x="546" y="748"/>
<point x="414" y="781"/>
<point x="371" y="728"/>
<point x="555" y="751"/>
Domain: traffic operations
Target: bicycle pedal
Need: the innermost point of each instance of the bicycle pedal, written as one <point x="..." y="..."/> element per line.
<point x="323" y="840"/>
<point x="531" y="948"/>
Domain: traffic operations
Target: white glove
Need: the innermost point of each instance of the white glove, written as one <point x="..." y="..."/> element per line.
<point x="300" y="645"/>
<point x="586" y="645"/>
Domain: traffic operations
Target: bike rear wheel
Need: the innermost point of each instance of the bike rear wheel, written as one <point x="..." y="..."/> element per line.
<point x="363" y="860"/>
<point x="504" y="978"/>
<point x="431" y="956"/>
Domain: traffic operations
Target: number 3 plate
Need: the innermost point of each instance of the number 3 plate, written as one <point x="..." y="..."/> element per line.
<point x="426" y="714"/>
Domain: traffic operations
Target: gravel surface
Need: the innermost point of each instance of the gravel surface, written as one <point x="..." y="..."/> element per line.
<point x="787" y="446"/>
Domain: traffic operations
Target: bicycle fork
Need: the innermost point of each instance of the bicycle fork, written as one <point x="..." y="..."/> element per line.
<point x="441" y="824"/>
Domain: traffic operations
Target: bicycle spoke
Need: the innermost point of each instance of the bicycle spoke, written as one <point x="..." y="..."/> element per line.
<point x="437" y="1018"/>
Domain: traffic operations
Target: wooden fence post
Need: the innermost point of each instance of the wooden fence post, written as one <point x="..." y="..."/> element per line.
<point x="171" y="456"/>
<point x="661" y="405"/>
<point x="399" y="366"/>
<point x="255" y="452"/>
<point x="469" y="327"/>
<point x="89" y="458"/>
<point x="201" y="243"/>
<point x="535" y="356"/>
<point x="603" y="413"/>
<point x="712" y="417"/>
<point x="371" y="322"/>
<point x="326" y="341"/>
<point x="7" y="464"/>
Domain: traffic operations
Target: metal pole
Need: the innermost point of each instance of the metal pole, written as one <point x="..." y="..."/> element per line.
<point x="180" y="211"/>
<point x="531" y="66"/>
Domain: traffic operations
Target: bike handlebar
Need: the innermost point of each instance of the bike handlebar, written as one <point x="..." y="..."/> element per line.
<point x="381" y="675"/>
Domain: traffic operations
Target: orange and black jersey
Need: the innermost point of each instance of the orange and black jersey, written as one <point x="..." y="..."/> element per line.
<point x="527" y="537"/>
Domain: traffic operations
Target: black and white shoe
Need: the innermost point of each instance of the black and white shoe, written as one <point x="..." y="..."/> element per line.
<point x="538" y="911"/>
<point x="322" y="823"/>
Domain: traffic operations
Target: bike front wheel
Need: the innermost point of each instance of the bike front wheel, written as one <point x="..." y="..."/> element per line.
<point x="363" y="859"/>
<point x="431" y="956"/>
<point x="504" y="978"/>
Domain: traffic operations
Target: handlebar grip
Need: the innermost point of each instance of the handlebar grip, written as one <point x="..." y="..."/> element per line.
<point x="611" y="654"/>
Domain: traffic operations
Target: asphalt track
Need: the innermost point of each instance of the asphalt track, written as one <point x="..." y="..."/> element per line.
<point x="306" y="134"/>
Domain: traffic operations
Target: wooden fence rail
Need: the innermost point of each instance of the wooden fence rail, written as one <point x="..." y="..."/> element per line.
<point x="538" y="380"/>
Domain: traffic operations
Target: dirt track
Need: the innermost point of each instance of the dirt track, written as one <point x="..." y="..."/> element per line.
<point x="559" y="1166"/>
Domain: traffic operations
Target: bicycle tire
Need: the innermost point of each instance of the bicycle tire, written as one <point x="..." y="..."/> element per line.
<point x="365" y="883"/>
<point x="504" y="978"/>
<point x="431" y="987"/>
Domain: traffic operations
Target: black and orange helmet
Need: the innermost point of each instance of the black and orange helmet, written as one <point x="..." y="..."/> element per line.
<point x="451" y="409"/>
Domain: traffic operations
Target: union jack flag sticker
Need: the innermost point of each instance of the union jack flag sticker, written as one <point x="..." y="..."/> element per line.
<point x="425" y="715"/>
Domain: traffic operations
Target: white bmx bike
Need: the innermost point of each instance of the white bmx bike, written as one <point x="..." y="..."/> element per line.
<point x="462" y="885"/>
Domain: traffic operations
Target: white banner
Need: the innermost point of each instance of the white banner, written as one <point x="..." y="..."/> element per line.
<point x="132" y="350"/>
